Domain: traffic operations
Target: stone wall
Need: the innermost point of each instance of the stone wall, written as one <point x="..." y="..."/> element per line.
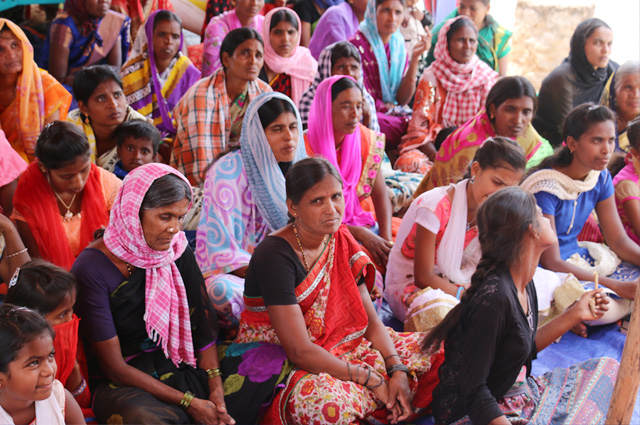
<point x="541" y="37"/>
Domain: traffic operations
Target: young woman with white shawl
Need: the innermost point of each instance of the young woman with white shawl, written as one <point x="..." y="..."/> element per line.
<point x="437" y="247"/>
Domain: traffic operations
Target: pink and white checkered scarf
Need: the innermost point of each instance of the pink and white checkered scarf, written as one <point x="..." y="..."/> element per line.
<point x="166" y="308"/>
<point x="467" y="84"/>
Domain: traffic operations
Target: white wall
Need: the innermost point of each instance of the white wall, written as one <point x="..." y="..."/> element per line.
<point x="623" y="16"/>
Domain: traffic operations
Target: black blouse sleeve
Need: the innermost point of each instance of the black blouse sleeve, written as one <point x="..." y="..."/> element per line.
<point x="274" y="272"/>
<point x="484" y="329"/>
<point x="204" y="322"/>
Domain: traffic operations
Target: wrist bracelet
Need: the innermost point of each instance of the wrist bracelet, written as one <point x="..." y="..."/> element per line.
<point x="460" y="289"/>
<point x="80" y="389"/>
<point x="392" y="355"/>
<point x="382" y="381"/>
<point x="368" y="376"/>
<point x="349" y="369"/>
<point x="187" y="398"/>
<point x="213" y="372"/>
<point x="396" y="367"/>
<point x="15" y="254"/>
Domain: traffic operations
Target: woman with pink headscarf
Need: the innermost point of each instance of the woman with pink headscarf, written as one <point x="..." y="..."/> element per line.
<point x="288" y="67"/>
<point x="336" y="134"/>
<point x="140" y="297"/>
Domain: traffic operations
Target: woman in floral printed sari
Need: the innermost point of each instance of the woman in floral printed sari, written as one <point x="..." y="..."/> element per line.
<point x="307" y="303"/>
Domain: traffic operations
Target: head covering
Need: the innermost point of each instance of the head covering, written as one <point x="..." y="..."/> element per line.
<point x="186" y="76"/>
<point x="265" y="177"/>
<point x="590" y="80"/>
<point x="88" y="24"/>
<point x="11" y="164"/>
<point x="390" y="71"/>
<point x="467" y="84"/>
<point x="31" y="113"/>
<point x="324" y="72"/>
<point x="322" y="142"/>
<point x="166" y="309"/>
<point x="301" y="65"/>
<point x="325" y="4"/>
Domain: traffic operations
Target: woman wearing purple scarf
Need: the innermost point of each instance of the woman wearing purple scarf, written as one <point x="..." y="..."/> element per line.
<point x="158" y="74"/>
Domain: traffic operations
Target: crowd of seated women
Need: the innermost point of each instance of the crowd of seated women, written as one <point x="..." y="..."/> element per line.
<point x="227" y="222"/>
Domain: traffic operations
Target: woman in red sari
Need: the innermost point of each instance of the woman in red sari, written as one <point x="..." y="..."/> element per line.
<point x="307" y="303"/>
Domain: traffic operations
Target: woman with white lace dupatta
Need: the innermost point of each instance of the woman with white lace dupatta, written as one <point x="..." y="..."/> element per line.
<point x="568" y="186"/>
<point x="437" y="248"/>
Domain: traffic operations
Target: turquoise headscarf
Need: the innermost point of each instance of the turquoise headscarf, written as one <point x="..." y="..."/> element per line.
<point x="390" y="76"/>
<point x="265" y="177"/>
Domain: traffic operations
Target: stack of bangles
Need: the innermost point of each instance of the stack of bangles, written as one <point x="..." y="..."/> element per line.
<point x="214" y="372"/>
<point x="187" y="398"/>
<point x="396" y="367"/>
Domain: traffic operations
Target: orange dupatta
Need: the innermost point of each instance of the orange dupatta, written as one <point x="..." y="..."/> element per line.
<point x="35" y="200"/>
<point x="31" y="91"/>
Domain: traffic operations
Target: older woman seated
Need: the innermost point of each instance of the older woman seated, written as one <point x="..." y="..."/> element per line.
<point x="245" y="189"/>
<point x="508" y="110"/>
<point x="140" y="299"/>
<point x="30" y="98"/>
<point x="450" y="92"/>
<point x="62" y="198"/>
<point x="102" y="107"/>
<point x="209" y="116"/>
<point x="86" y="33"/>
<point x="622" y="96"/>
<point x="494" y="41"/>
<point x="158" y="74"/>
<point x="245" y="14"/>
<point x="307" y="300"/>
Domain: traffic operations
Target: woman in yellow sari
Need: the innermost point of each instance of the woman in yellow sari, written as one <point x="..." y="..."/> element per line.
<point x="30" y="98"/>
<point x="510" y="106"/>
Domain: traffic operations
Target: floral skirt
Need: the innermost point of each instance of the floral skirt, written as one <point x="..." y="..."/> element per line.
<point x="261" y="382"/>
<point x="577" y="395"/>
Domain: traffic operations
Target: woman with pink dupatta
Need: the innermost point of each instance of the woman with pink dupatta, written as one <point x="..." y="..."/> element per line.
<point x="140" y="298"/>
<point x="336" y="134"/>
<point x="245" y="14"/>
<point x="288" y="67"/>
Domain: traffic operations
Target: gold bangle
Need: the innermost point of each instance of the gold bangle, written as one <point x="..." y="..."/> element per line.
<point x="187" y="398"/>
<point x="214" y="372"/>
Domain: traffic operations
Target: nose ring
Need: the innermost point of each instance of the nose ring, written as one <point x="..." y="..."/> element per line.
<point x="171" y="229"/>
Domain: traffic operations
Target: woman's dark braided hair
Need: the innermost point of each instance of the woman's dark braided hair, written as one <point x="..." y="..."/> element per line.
<point x="504" y="220"/>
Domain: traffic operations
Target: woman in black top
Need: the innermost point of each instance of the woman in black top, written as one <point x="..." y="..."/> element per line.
<point x="490" y="338"/>
<point x="579" y="79"/>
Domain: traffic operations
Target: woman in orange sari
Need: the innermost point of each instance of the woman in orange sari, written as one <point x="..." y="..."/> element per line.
<point x="307" y="303"/>
<point x="30" y="98"/>
<point x="336" y="134"/>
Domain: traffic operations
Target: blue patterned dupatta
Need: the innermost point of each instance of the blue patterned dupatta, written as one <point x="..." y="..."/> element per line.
<point x="390" y="70"/>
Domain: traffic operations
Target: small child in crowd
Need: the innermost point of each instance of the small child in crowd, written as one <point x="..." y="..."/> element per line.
<point x="29" y="392"/>
<point x="51" y="291"/>
<point x="627" y="184"/>
<point x="138" y="143"/>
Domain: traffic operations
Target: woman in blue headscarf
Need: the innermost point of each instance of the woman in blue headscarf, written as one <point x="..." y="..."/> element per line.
<point x="244" y="199"/>
<point x="389" y="73"/>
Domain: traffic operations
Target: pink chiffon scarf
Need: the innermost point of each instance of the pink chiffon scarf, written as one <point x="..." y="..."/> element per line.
<point x="166" y="308"/>
<point x="300" y="66"/>
<point x="322" y="142"/>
